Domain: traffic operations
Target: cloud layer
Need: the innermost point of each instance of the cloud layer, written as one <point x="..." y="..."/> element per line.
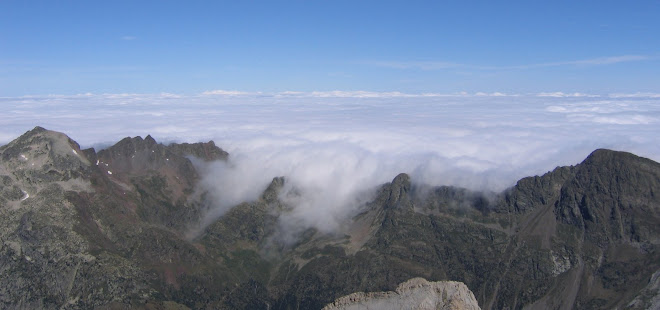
<point x="333" y="145"/>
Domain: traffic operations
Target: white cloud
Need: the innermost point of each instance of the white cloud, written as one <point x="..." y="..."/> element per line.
<point x="495" y="94"/>
<point x="220" y="92"/>
<point x="635" y="95"/>
<point x="347" y="94"/>
<point x="634" y="119"/>
<point x="563" y="95"/>
<point x="128" y="38"/>
<point x="333" y="145"/>
<point x="357" y="94"/>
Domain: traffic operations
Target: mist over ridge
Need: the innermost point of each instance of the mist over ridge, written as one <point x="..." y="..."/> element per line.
<point x="332" y="145"/>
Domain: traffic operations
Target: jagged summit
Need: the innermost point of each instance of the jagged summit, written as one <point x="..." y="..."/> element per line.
<point x="36" y="160"/>
<point x="398" y="192"/>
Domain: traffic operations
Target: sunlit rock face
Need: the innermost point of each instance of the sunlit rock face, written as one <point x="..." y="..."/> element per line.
<point x="415" y="293"/>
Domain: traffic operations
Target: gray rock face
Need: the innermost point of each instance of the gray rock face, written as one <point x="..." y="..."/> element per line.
<point x="42" y="256"/>
<point x="69" y="228"/>
<point x="416" y="294"/>
<point x="649" y="297"/>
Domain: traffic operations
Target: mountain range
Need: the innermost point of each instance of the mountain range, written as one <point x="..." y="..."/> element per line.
<point x="128" y="227"/>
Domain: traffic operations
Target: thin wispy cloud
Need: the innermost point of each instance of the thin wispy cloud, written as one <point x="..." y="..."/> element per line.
<point x="440" y="65"/>
<point x="418" y="65"/>
<point x="611" y="60"/>
<point x="586" y="62"/>
<point x="129" y="38"/>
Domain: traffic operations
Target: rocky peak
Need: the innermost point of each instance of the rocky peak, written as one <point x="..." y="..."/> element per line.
<point x="41" y="156"/>
<point x="163" y="176"/>
<point x="134" y="155"/>
<point x="43" y="143"/>
<point x="605" y="156"/>
<point x="614" y="166"/>
<point x="398" y="192"/>
<point x="613" y="196"/>
<point x="272" y="191"/>
<point x="137" y="155"/>
<point x="149" y="140"/>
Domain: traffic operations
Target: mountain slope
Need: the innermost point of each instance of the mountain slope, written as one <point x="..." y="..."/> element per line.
<point x="86" y="229"/>
<point x="522" y="249"/>
<point x="90" y="229"/>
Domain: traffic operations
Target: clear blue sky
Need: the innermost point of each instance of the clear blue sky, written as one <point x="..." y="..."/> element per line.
<point x="68" y="47"/>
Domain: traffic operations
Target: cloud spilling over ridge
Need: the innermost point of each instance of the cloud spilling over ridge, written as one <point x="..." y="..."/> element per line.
<point x="324" y="181"/>
<point x="333" y="146"/>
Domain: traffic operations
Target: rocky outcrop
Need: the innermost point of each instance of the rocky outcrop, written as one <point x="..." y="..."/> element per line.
<point x="415" y="293"/>
<point x="649" y="297"/>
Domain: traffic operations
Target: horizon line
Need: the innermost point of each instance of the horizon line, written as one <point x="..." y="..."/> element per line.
<point x="343" y="94"/>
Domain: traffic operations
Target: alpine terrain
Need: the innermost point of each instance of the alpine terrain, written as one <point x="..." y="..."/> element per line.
<point x="127" y="227"/>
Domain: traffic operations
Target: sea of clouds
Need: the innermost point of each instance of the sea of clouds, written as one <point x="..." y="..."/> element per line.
<point x="333" y="145"/>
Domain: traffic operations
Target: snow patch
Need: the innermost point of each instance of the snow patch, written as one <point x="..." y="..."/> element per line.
<point x="109" y="172"/>
<point x="25" y="195"/>
<point x="74" y="152"/>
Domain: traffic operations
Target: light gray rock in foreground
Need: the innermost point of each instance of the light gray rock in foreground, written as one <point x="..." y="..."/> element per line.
<point x="416" y="293"/>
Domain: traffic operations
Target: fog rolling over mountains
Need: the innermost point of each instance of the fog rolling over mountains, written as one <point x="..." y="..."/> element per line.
<point x="142" y="224"/>
<point x="473" y="140"/>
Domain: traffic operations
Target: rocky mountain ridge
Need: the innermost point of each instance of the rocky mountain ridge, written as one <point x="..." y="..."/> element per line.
<point x="108" y="229"/>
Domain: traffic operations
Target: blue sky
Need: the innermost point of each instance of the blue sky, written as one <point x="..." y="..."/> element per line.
<point x="188" y="47"/>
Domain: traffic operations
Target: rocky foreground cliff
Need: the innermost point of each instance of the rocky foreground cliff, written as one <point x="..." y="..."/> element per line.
<point x="82" y="229"/>
<point x="416" y="293"/>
